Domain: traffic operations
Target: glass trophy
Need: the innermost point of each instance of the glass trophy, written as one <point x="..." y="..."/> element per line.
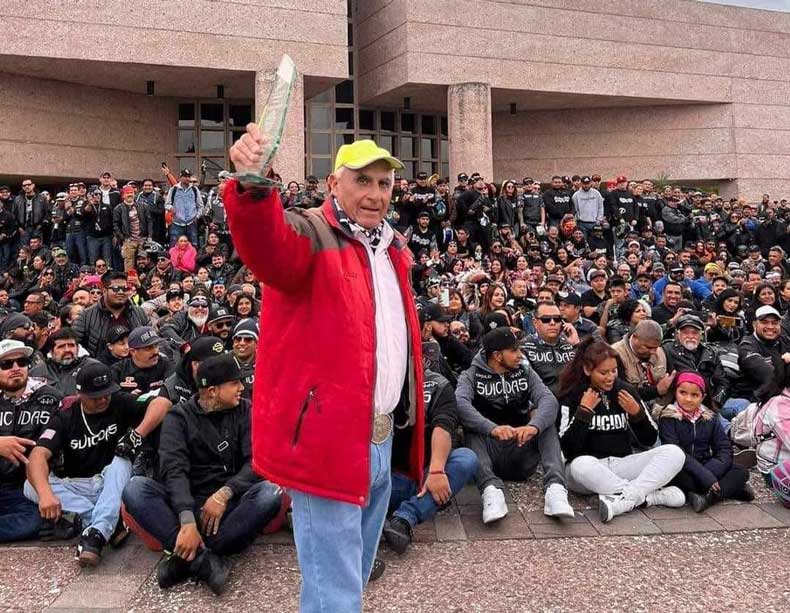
<point x="272" y="120"/>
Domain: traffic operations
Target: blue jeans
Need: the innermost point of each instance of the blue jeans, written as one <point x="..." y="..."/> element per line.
<point x="336" y="542"/>
<point x="460" y="468"/>
<point x="733" y="406"/>
<point x="77" y="247"/>
<point x="99" y="247"/>
<point x="6" y="255"/>
<point x="96" y="499"/>
<point x="19" y="518"/>
<point x="148" y="502"/>
<point x="586" y="227"/>
<point x="190" y="231"/>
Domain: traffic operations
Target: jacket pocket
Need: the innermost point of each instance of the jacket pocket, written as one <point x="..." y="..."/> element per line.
<point x="308" y="402"/>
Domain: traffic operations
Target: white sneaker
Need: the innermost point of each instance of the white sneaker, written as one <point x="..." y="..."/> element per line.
<point x="494" y="505"/>
<point x="666" y="497"/>
<point x="555" y="502"/>
<point x="610" y="507"/>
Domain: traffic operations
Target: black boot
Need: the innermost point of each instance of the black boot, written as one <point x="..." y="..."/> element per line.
<point x="397" y="532"/>
<point x="746" y="493"/>
<point x="90" y="548"/>
<point x="377" y="570"/>
<point x="212" y="569"/>
<point x="65" y="528"/>
<point x="701" y="502"/>
<point x="171" y="571"/>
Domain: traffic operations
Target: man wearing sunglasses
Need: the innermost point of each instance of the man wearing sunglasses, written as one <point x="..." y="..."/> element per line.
<point x="185" y="327"/>
<point x="552" y="346"/>
<point x="220" y="322"/>
<point x="245" y="345"/>
<point x="113" y="308"/>
<point x="31" y="210"/>
<point x="495" y="397"/>
<point x="98" y="436"/>
<point x="26" y="406"/>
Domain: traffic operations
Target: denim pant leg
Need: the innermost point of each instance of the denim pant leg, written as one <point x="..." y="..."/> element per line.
<point x="460" y="468"/>
<point x="551" y="457"/>
<point x="403" y="488"/>
<point x="6" y="255"/>
<point x="733" y="406"/>
<point x="94" y="246"/>
<point x="243" y="522"/>
<point x="335" y="540"/>
<point x="114" y="478"/>
<point x="76" y="495"/>
<point x="147" y="502"/>
<point x="192" y="233"/>
<point x="19" y="517"/>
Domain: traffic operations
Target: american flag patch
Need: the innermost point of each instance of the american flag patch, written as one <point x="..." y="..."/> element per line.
<point x="47" y="434"/>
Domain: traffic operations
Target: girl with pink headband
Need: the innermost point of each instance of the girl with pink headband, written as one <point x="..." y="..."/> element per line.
<point x="708" y="475"/>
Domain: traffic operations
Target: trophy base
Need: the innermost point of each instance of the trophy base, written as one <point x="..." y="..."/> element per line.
<point x="248" y="177"/>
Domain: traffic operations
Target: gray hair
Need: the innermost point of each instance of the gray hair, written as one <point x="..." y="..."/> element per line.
<point x="649" y="330"/>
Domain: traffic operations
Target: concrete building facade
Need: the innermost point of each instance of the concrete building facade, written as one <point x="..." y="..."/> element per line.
<point x="694" y="91"/>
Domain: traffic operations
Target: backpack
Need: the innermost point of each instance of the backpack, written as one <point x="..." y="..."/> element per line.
<point x="774" y="431"/>
<point x="766" y="427"/>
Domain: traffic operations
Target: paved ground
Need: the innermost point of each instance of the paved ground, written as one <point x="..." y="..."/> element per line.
<point x="650" y="560"/>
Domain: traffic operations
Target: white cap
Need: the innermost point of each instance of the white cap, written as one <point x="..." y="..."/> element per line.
<point x="10" y="345"/>
<point x="766" y="311"/>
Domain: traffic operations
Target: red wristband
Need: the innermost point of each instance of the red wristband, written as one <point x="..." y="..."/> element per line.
<point x="436" y="472"/>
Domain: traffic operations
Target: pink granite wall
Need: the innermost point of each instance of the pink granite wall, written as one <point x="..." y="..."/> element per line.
<point x="63" y="130"/>
<point x="725" y="70"/>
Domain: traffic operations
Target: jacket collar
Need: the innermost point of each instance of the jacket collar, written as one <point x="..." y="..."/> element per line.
<point x="328" y="211"/>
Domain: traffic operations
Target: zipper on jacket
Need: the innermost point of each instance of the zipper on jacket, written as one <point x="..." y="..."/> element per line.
<point x="302" y="412"/>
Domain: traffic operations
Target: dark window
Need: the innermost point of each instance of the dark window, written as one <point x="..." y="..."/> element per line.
<point x="344" y="92"/>
<point x="343" y="139"/>
<point x="428" y="124"/>
<point x="186" y="115"/>
<point x="211" y="114"/>
<point x="367" y="120"/>
<point x="186" y="141"/>
<point x="407" y="123"/>
<point x="444" y="126"/>
<point x="344" y="119"/>
<point x="239" y="115"/>
<point x="388" y="121"/>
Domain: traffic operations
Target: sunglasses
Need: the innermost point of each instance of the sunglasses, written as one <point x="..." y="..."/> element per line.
<point x="199" y="305"/>
<point x="118" y="289"/>
<point x="223" y="325"/>
<point x="549" y="319"/>
<point x="9" y="364"/>
<point x="95" y="291"/>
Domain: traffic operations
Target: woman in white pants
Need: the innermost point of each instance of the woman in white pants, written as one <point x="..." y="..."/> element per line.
<point x="600" y="413"/>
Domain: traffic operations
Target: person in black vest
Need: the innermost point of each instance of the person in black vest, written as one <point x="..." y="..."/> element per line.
<point x="552" y="346"/>
<point x="495" y="398"/>
<point x="557" y="201"/>
<point x="26" y="407"/>
<point x="420" y="236"/>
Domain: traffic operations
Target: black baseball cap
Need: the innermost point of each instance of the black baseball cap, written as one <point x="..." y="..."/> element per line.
<point x="94" y="380"/>
<point x="433" y="312"/>
<point x="689" y="320"/>
<point x="173" y="293"/>
<point x="462" y="176"/>
<point x="143" y="336"/>
<point x="203" y="348"/>
<point x="116" y="333"/>
<point x="495" y="320"/>
<point x="186" y="172"/>
<point x="218" y="313"/>
<point x="569" y="298"/>
<point x="586" y="179"/>
<point x="499" y="339"/>
<point x="218" y="370"/>
<point x="422" y="175"/>
<point x="527" y="181"/>
<point x="423" y="214"/>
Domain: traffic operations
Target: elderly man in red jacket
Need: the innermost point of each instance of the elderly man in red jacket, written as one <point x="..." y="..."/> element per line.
<point x="339" y="367"/>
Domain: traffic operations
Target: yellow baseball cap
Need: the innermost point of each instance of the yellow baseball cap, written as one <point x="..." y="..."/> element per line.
<point x="711" y="267"/>
<point x="362" y="153"/>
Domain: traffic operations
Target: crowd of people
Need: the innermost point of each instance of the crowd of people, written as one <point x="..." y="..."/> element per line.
<point x="609" y="332"/>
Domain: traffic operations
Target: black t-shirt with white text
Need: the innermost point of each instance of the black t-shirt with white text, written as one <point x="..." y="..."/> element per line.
<point x="88" y="440"/>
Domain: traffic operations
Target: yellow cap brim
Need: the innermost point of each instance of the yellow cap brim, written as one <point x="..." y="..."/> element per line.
<point x="394" y="162"/>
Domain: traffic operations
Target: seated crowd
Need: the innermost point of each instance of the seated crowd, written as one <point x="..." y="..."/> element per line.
<point x="617" y="336"/>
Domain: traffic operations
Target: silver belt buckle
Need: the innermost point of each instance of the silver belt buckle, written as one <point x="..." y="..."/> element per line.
<point x="382" y="426"/>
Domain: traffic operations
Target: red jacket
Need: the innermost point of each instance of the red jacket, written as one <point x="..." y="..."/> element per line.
<point x="315" y="369"/>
